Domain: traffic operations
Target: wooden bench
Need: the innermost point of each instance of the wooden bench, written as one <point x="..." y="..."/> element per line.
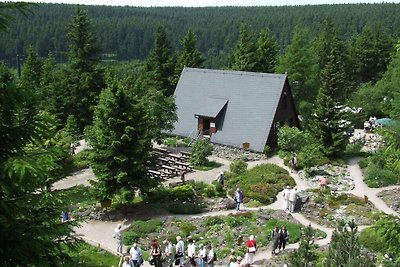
<point x="185" y="155"/>
<point x="175" y="157"/>
<point x="161" y="150"/>
<point x="184" y="166"/>
<point x="153" y="173"/>
<point x="169" y="169"/>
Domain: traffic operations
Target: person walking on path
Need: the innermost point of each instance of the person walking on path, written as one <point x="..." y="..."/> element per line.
<point x="191" y="252"/>
<point x="179" y="251"/>
<point x="275" y="239"/>
<point x="136" y="255"/>
<point x="251" y="245"/>
<point x="286" y="193"/>
<point x="283" y="238"/>
<point x="202" y="256"/>
<point x="211" y="257"/>
<point x="118" y="236"/>
<point x="221" y="178"/>
<point x="155" y="253"/>
<point x="323" y="182"/>
<point x="169" y="253"/>
<point x="293" y="162"/>
<point x="292" y="199"/>
<point x="238" y="197"/>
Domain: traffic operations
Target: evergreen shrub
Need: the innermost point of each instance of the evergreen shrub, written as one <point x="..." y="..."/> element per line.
<point x="140" y="229"/>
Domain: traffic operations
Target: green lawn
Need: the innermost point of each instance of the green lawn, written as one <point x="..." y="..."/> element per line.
<point x="85" y="255"/>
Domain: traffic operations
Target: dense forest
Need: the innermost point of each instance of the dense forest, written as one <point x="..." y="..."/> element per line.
<point x="128" y="32"/>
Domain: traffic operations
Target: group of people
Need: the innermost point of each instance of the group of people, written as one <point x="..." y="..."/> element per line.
<point x="172" y="255"/>
<point x="289" y="197"/>
<point x="279" y="238"/>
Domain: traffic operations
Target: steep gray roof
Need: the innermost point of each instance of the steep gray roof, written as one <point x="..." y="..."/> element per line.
<point x="251" y="101"/>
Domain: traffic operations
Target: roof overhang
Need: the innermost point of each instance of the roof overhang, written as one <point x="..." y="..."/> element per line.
<point x="211" y="108"/>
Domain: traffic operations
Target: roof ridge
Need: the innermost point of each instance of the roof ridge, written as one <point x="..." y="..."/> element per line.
<point x="236" y="72"/>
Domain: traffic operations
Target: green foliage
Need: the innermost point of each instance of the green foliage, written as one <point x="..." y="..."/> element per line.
<point x="160" y="64"/>
<point x="31" y="74"/>
<point x="201" y="149"/>
<point x="388" y="228"/>
<point x="82" y="159"/>
<point x="83" y="79"/>
<point x="244" y="56"/>
<point x="373" y="241"/>
<point x="208" y="166"/>
<point x="190" y="56"/>
<point x="187" y="228"/>
<point x="212" y="220"/>
<point x="178" y="207"/>
<point x="85" y="255"/>
<point x="345" y="249"/>
<point x="261" y="183"/>
<point x="238" y="167"/>
<point x="376" y="176"/>
<point x="294" y="229"/>
<point x="306" y="254"/>
<point x="140" y="229"/>
<point x="182" y="193"/>
<point x="266" y="52"/>
<point x="78" y="197"/>
<point x="121" y="142"/>
<point x="27" y="210"/>
<point x="291" y="139"/>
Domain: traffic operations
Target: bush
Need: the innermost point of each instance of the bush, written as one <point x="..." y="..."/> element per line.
<point x="140" y="229"/>
<point x="158" y="194"/>
<point x="261" y="183"/>
<point x="187" y="228"/>
<point x="182" y="193"/>
<point x="238" y="167"/>
<point x="82" y="159"/>
<point x="376" y="176"/>
<point x="371" y="240"/>
<point x="185" y="208"/>
<point x="214" y="220"/>
<point x="200" y="151"/>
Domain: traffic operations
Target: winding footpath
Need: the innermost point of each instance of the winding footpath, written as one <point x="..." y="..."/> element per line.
<point x="99" y="233"/>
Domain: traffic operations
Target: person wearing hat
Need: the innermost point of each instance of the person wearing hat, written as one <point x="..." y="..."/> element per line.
<point x="221" y="178"/>
<point x="136" y="255"/>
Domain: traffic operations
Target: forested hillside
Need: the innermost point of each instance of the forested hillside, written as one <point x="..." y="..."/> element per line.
<point x="128" y="32"/>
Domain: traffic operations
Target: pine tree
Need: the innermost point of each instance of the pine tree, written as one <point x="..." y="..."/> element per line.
<point x="121" y="144"/>
<point x="160" y="64"/>
<point x="345" y="249"/>
<point x="190" y="56"/>
<point x="300" y="63"/>
<point x="31" y="71"/>
<point x="84" y="80"/>
<point x="306" y="254"/>
<point x="267" y="52"/>
<point x="328" y="127"/>
<point x="244" y="56"/>
<point x="31" y="232"/>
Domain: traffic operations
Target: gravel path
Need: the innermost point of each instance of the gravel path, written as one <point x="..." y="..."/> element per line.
<point x="99" y="233"/>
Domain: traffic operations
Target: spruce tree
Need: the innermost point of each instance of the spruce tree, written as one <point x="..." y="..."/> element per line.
<point x="121" y="143"/>
<point x="344" y="249"/>
<point x="328" y="126"/>
<point x="31" y="232"/>
<point x="84" y="79"/>
<point x="244" y="56"/>
<point x="31" y="72"/>
<point x="267" y="52"/>
<point x="160" y="64"/>
<point x="306" y="254"/>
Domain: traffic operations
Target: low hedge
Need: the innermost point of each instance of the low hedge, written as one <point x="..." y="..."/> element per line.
<point x="261" y="183"/>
